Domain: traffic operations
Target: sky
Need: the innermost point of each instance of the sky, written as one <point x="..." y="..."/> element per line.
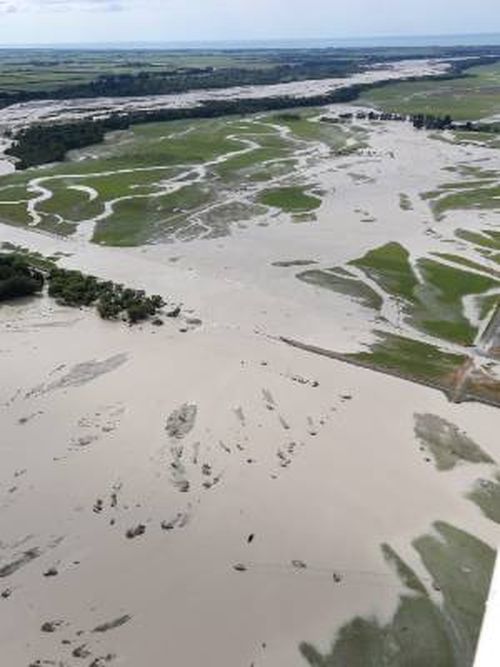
<point x="87" y="21"/>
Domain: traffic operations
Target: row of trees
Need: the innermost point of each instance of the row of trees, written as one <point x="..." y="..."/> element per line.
<point x="419" y="121"/>
<point x="180" y="81"/>
<point x="112" y="300"/>
<point x="40" y="144"/>
<point x="19" y="278"/>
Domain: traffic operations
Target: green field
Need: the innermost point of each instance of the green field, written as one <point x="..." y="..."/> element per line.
<point x="432" y="303"/>
<point x="472" y="97"/>
<point x="177" y="180"/>
<point x="290" y="200"/>
<point x="45" y="70"/>
<point x="429" y="311"/>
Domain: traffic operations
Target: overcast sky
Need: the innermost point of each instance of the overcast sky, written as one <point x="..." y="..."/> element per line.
<point x="52" y="21"/>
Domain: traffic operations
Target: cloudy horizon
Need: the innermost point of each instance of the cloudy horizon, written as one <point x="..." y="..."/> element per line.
<point x="108" y="21"/>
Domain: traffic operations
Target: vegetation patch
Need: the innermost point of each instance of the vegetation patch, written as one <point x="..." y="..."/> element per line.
<point x="290" y="200"/>
<point x="433" y="305"/>
<point x="479" y="189"/>
<point x="486" y="495"/>
<point x="465" y="261"/>
<point x="112" y="300"/>
<point x="421" y="631"/>
<point x="440" y="310"/>
<point x="180" y="179"/>
<point x="413" y="359"/>
<point x="487" y="239"/>
<point x="343" y="284"/>
<point x="389" y="266"/>
<point x="447" y="444"/>
<point x="294" y="262"/>
<point x="23" y="274"/>
<point x="18" y="277"/>
<point x="405" y="202"/>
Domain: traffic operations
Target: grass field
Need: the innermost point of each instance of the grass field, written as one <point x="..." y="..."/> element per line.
<point x="429" y="309"/>
<point x="475" y="96"/>
<point x="178" y="180"/>
<point x="40" y="69"/>
<point x="431" y="294"/>
<point x="290" y="200"/>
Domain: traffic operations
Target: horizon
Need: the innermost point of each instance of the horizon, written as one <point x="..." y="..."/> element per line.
<point x="367" y="41"/>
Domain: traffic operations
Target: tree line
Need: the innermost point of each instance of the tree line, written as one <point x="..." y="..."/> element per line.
<point x="419" y="121"/>
<point x="19" y="278"/>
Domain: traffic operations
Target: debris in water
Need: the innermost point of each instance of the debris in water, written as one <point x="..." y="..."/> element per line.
<point x="140" y="529"/>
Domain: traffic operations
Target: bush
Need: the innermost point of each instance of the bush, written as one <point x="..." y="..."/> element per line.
<point x="17" y="277"/>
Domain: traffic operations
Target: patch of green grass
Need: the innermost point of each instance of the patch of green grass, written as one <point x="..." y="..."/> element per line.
<point x="405" y="574"/>
<point x="486" y="495"/>
<point x="240" y="165"/>
<point x="73" y="205"/>
<point x="485" y="239"/>
<point x="415" y="636"/>
<point x="14" y="214"/>
<point x="410" y="358"/>
<point x="290" y="199"/>
<point x="486" y="197"/>
<point x="447" y="444"/>
<point x="465" y="261"/>
<point x="440" y="300"/>
<point x="137" y="166"/>
<point x="136" y="221"/>
<point x="308" y="126"/>
<point x="432" y="303"/>
<point x="343" y="284"/>
<point x="389" y="266"/>
<point x="14" y="192"/>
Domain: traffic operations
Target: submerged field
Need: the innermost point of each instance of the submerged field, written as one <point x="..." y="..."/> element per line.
<point x="181" y="180"/>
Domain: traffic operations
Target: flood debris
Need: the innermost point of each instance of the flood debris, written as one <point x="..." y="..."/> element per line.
<point x="135" y="531"/>
<point x="181" y="421"/>
<point x="239" y="567"/>
<point x="112" y="625"/>
<point x="24" y="559"/>
<point x="81" y="652"/>
<point x="50" y="626"/>
<point x="175" y="312"/>
<point x="299" y="564"/>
